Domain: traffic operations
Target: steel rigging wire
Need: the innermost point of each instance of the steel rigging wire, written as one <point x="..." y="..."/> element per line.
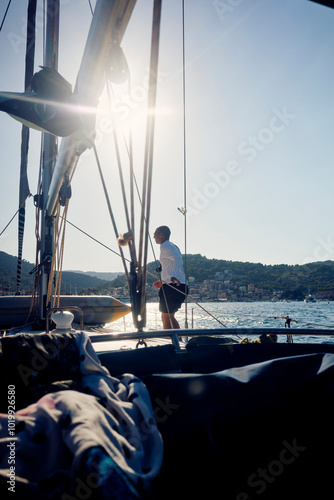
<point x="5" y="15"/>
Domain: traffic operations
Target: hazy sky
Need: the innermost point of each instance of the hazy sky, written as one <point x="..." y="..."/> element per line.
<point x="259" y="131"/>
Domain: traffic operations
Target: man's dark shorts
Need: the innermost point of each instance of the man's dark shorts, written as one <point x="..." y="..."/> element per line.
<point x="173" y="296"/>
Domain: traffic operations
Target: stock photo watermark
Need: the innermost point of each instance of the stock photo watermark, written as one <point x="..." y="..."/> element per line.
<point x="40" y="362"/>
<point x="18" y="39"/>
<point x="324" y="250"/>
<point x="259" y="480"/>
<point x="11" y="446"/>
<point x="248" y="149"/>
<point x="225" y="7"/>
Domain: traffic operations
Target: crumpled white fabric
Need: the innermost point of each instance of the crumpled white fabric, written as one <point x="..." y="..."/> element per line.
<point x="53" y="434"/>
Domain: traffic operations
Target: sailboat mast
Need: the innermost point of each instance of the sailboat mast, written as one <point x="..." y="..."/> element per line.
<point x="109" y="23"/>
<point x="49" y="151"/>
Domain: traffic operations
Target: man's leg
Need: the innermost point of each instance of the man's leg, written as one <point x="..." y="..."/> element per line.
<point x="175" y="322"/>
<point x="169" y="321"/>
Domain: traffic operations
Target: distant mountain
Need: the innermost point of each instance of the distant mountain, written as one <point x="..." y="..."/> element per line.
<point x="72" y="282"/>
<point x="100" y="275"/>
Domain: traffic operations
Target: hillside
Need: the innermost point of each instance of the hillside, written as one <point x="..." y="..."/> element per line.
<point x="308" y="278"/>
<point x="72" y="282"/>
<point x="313" y="277"/>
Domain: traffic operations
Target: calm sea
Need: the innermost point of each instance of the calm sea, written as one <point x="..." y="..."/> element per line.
<point x="309" y="315"/>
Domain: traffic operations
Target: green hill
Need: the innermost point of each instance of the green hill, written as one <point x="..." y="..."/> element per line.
<point x="313" y="277"/>
<point x="308" y="278"/>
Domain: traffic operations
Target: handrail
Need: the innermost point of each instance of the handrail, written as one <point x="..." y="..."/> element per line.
<point x="207" y="332"/>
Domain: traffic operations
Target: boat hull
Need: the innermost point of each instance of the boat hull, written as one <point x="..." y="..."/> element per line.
<point x="97" y="309"/>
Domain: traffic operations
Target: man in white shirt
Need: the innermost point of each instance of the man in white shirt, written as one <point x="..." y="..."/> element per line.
<point x="172" y="287"/>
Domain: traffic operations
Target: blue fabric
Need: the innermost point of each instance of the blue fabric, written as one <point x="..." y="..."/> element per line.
<point x="107" y="478"/>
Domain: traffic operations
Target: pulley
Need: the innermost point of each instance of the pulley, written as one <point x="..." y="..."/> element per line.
<point x="65" y="193"/>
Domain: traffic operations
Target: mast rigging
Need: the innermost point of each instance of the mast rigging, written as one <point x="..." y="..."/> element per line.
<point x="184" y="208"/>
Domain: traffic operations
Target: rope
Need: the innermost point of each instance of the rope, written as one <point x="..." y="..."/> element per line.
<point x="55" y="244"/>
<point x="57" y="231"/>
<point x="130" y="222"/>
<point x="59" y="234"/>
<point x="94" y="239"/>
<point x="56" y="298"/>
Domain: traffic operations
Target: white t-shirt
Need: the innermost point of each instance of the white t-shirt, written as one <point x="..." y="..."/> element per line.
<point x="171" y="262"/>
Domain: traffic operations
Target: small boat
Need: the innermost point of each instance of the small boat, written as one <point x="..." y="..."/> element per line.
<point x="96" y="309"/>
<point x="309" y="298"/>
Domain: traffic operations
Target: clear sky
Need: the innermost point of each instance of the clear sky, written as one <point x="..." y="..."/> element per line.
<point x="259" y="131"/>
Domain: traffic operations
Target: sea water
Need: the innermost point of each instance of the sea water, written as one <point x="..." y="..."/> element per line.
<point x="310" y="315"/>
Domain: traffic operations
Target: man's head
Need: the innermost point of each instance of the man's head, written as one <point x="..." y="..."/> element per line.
<point x="161" y="234"/>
